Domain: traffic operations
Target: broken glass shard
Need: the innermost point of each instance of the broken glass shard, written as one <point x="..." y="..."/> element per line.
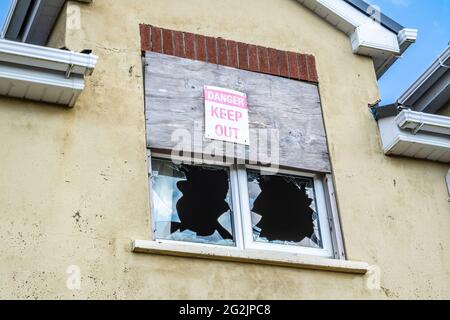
<point x="191" y="203"/>
<point x="283" y="210"/>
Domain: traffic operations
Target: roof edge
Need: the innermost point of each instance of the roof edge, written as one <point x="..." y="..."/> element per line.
<point x="386" y="21"/>
<point x="427" y="79"/>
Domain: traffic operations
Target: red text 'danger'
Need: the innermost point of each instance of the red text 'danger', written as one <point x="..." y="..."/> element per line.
<point x="226" y="98"/>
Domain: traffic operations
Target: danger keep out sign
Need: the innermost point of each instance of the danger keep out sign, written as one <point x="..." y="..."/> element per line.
<point x="226" y="115"/>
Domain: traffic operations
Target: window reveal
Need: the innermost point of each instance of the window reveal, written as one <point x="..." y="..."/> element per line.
<point x="191" y="203"/>
<point x="283" y="210"/>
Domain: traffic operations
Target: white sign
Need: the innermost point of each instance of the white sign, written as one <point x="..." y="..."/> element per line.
<point x="226" y="115"/>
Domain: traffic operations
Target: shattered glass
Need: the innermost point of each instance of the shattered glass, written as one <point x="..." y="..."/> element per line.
<point x="191" y="203"/>
<point x="283" y="210"/>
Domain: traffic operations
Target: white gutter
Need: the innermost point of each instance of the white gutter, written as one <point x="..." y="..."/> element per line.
<point x="442" y="62"/>
<point x="368" y="36"/>
<point x="417" y="135"/>
<point x="407" y="37"/>
<point x="365" y="33"/>
<point x="44" y="57"/>
<point x="12" y="72"/>
<point x="420" y="121"/>
<point x="43" y="74"/>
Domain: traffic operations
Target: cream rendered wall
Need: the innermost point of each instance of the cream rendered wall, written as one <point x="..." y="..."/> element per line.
<point x="74" y="181"/>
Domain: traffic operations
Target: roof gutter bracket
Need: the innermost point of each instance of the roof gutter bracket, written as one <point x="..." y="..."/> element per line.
<point x="69" y="70"/>
<point x="418" y="128"/>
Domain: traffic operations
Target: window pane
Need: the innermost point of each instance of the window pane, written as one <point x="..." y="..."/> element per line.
<point x="283" y="210"/>
<point x="191" y="203"/>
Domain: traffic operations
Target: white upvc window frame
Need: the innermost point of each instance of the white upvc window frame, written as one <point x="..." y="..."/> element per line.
<point x="320" y="201"/>
<point x="242" y="224"/>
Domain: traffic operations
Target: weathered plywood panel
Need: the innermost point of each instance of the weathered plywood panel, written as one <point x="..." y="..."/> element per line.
<point x="174" y="100"/>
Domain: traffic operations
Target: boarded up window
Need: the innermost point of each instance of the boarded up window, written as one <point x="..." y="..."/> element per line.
<point x="174" y="100"/>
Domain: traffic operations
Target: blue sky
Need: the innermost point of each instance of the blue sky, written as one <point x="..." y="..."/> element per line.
<point x="4" y="5"/>
<point x="432" y="18"/>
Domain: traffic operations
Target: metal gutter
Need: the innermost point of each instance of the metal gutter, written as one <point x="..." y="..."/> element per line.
<point x="419" y="121"/>
<point x="43" y="74"/>
<point x="416" y="135"/>
<point x="44" y="57"/>
<point x="383" y="40"/>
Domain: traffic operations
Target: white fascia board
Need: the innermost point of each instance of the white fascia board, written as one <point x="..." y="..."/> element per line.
<point x="44" y="57"/>
<point x="43" y="74"/>
<point x="440" y="65"/>
<point x="406" y="38"/>
<point x="422" y="145"/>
<point x="15" y="73"/>
<point x="38" y="85"/>
<point x="420" y="121"/>
<point x="372" y="39"/>
<point x="368" y="37"/>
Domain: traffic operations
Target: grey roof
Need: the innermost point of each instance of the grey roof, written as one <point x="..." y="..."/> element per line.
<point x="387" y="22"/>
<point x="431" y="91"/>
<point x="32" y="21"/>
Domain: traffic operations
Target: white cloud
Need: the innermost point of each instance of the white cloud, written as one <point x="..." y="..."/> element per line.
<point x="400" y="3"/>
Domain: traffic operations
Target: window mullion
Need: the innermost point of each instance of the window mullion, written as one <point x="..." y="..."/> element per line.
<point x="237" y="212"/>
<point x="246" y="223"/>
<point x="150" y="196"/>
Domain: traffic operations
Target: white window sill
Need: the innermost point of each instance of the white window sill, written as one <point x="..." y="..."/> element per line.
<point x="204" y="251"/>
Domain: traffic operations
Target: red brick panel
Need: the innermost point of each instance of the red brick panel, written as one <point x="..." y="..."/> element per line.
<point x="167" y="42"/>
<point x="274" y="66"/>
<point x="156" y="39"/>
<point x="293" y="66"/>
<point x="232" y="54"/>
<point x="263" y="58"/>
<point x="240" y="55"/>
<point x="178" y="43"/>
<point x="200" y="46"/>
<point x="243" y="55"/>
<point x="211" y="49"/>
<point x="312" y="70"/>
<point x="283" y="61"/>
<point x="302" y="66"/>
<point x="145" y="38"/>
<point x="189" y="45"/>
<point x="222" y="53"/>
<point x="253" y="58"/>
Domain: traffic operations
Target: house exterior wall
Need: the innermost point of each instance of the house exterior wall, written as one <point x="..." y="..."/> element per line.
<point x="74" y="181"/>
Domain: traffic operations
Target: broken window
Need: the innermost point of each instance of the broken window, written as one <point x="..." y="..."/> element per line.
<point x="191" y="203"/>
<point x="283" y="210"/>
<point x="239" y="206"/>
